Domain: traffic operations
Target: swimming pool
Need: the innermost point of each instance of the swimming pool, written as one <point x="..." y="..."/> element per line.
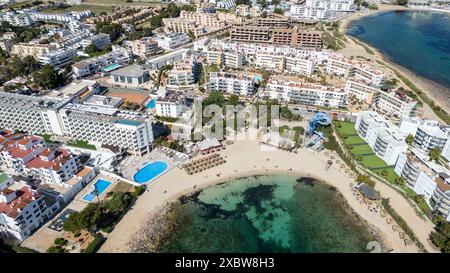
<point x="100" y="186"/>
<point x="150" y="171"/>
<point x="151" y="104"/>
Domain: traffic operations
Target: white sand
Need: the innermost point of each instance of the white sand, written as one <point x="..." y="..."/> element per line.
<point x="245" y="158"/>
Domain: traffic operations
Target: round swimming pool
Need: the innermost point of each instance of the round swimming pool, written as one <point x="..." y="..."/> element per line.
<point x="150" y="171"/>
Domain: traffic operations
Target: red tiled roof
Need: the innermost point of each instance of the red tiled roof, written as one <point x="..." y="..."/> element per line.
<point x="61" y="156"/>
<point x="24" y="196"/>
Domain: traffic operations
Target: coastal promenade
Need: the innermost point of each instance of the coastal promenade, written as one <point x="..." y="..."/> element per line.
<point x="246" y="158"/>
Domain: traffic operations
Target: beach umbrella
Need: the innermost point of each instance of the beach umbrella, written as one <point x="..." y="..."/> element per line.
<point x="389" y="221"/>
<point x="395" y="227"/>
<point x="402" y="235"/>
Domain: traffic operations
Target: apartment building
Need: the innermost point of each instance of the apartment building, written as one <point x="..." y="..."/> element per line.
<point x="32" y="49"/>
<point x="394" y="103"/>
<point x="440" y="201"/>
<point x="31" y="157"/>
<point x="72" y="16"/>
<point x="23" y="211"/>
<point x="16" y="153"/>
<point x="296" y="91"/>
<point x="145" y="47"/>
<point x="172" y="40"/>
<point x="184" y="74"/>
<point x="295" y="64"/>
<point x="234" y="83"/>
<point x="292" y="36"/>
<point x="167" y="59"/>
<point x="58" y="58"/>
<point x="383" y="137"/>
<point x="100" y="41"/>
<point x="361" y="90"/>
<point x="268" y="61"/>
<point x="349" y="68"/>
<point x="225" y="58"/>
<point x="297" y="37"/>
<point x="171" y="105"/>
<point x="321" y="9"/>
<point x="426" y="178"/>
<point x="16" y="19"/>
<point x="195" y="23"/>
<point x="117" y="57"/>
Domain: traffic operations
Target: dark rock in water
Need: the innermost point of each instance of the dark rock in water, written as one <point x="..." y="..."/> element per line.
<point x="307" y="181"/>
<point x="183" y="199"/>
<point x="332" y="188"/>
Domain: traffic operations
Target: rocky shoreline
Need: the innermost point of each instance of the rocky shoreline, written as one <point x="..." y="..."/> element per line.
<point x="154" y="231"/>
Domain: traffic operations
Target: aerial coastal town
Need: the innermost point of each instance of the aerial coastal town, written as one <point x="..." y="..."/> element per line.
<point x="99" y="103"/>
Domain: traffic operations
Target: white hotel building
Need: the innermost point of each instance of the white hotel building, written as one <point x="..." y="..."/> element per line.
<point x="94" y="123"/>
<point x="300" y="92"/>
<point x="382" y="136"/>
<point x="225" y="58"/>
<point x="233" y="83"/>
<point x="58" y="58"/>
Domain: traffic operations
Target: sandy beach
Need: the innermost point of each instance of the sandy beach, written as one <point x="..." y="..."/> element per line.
<point x="434" y="90"/>
<point x="245" y="158"/>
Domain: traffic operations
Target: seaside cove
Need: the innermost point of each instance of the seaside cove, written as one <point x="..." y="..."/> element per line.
<point x="273" y="213"/>
<point x="416" y="40"/>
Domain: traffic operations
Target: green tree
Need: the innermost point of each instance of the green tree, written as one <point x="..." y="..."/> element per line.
<point x="233" y="99"/>
<point x="214" y="97"/>
<point x="399" y="181"/>
<point x="409" y="139"/>
<point x="441" y="236"/>
<point x="47" y="77"/>
<point x="384" y="173"/>
<point x="278" y="11"/>
<point x="435" y="154"/>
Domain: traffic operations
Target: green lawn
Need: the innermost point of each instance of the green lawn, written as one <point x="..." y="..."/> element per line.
<point x="391" y="174"/>
<point x="361" y="150"/>
<point x="373" y="161"/>
<point x="346" y="127"/>
<point x="354" y="140"/>
<point x="82" y="144"/>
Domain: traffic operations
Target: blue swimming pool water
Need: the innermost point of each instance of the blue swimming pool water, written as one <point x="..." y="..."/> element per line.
<point x="150" y="171"/>
<point x="101" y="185"/>
<point x="151" y="104"/>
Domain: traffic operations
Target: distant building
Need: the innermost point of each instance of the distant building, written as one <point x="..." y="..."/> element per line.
<point x="172" y="40"/>
<point x="58" y="58"/>
<point x="167" y="59"/>
<point x="16" y="19"/>
<point x="100" y="41"/>
<point x="113" y="59"/>
<point x="145" y="48"/>
<point x="30" y="49"/>
<point x="233" y="83"/>
<point x="297" y="91"/>
<point x="361" y="90"/>
<point x="132" y="75"/>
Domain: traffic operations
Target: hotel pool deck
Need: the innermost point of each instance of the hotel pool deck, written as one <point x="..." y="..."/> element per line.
<point x="101" y="186"/>
<point x="148" y="168"/>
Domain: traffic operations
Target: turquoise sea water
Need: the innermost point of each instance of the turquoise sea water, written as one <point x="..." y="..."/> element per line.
<point x="416" y="40"/>
<point x="267" y="214"/>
